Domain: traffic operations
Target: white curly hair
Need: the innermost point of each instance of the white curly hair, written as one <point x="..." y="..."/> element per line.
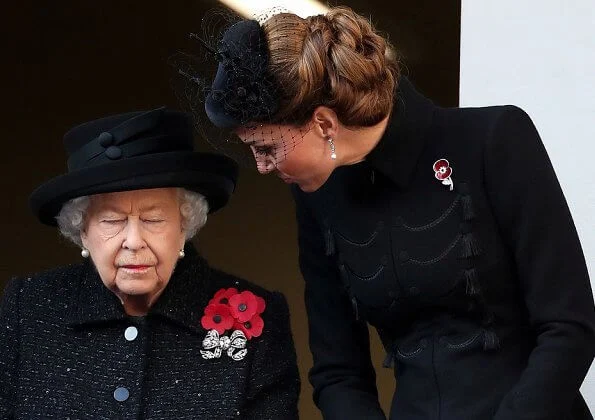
<point x="194" y="209"/>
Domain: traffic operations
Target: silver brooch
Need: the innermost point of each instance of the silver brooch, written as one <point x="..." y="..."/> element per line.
<point x="214" y="345"/>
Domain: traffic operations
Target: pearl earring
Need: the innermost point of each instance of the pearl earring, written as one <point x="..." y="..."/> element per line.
<point x="332" y="145"/>
<point x="182" y="254"/>
<point x="85" y="253"/>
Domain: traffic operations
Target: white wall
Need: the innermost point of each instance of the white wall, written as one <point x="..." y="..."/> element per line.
<point x="540" y="55"/>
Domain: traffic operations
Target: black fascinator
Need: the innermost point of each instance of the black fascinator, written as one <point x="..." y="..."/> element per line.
<point x="225" y="84"/>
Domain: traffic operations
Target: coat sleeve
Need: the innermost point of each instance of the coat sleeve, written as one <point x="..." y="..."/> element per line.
<point x="536" y="225"/>
<point x="275" y="382"/>
<point x="9" y="346"/>
<point x="343" y="377"/>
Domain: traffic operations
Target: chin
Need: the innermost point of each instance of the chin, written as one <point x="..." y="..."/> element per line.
<point x="309" y="187"/>
<point x="135" y="287"/>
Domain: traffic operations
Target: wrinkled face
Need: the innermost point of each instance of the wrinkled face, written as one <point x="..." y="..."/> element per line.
<point x="134" y="239"/>
<point x="296" y="155"/>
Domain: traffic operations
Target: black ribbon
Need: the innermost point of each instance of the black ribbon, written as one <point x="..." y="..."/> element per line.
<point x="126" y="140"/>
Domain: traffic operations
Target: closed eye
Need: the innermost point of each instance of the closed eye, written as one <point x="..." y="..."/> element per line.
<point x="262" y="150"/>
<point x="113" y="221"/>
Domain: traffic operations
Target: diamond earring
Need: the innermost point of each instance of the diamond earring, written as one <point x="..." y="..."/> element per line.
<point x="332" y="145"/>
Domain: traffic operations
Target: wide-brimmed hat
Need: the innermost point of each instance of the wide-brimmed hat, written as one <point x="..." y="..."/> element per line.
<point x="132" y="151"/>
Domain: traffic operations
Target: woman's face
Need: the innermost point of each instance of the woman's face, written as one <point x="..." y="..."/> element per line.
<point x="134" y="239"/>
<point x="296" y="155"/>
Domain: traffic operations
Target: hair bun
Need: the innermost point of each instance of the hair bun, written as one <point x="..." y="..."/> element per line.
<point x="336" y="60"/>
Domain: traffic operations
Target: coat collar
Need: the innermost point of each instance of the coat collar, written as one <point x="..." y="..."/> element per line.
<point x="182" y="301"/>
<point x="398" y="151"/>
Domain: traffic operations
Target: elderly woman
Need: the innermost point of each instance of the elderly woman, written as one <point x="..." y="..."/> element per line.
<point x="143" y="327"/>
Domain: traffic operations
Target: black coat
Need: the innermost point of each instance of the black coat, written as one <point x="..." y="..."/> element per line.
<point x="480" y="294"/>
<point x="64" y="353"/>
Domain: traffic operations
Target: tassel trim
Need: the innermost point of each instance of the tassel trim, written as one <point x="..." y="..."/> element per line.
<point x="490" y="340"/>
<point x="355" y="308"/>
<point x="467" y="206"/>
<point x="471" y="280"/>
<point x="389" y="360"/>
<point x="330" y="243"/>
<point x="471" y="246"/>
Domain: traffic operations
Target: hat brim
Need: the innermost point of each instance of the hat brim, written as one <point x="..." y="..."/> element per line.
<point x="213" y="176"/>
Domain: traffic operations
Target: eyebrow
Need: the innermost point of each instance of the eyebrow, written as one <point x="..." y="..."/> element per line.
<point x="115" y="209"/>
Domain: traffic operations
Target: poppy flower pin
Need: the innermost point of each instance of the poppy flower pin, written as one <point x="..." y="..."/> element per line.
<point x="443" y="172"/>
<point x="238" y="312"/>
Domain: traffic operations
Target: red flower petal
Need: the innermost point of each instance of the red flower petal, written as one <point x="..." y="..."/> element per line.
<point x="223" y="295"/>
<point x="252" y="327"/>
<point x="217" y="317"/>
<point x="243" y="306"/>
<point x="441" y="175"/>
<point x="261" y="305"/>
<point x="442" y="163"/>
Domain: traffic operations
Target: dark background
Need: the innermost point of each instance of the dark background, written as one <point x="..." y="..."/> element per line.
<point x="66" y="62"/>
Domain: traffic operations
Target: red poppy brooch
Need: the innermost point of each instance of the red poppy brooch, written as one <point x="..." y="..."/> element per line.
<point x="443" y="172"/>
<point x="230" y="310"/>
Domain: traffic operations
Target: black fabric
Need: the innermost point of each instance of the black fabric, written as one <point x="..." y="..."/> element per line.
<point x="243" y="90"/>
<point x="480" y="294"/>
<point x="147" y="149"/>
<point x="64" y="352"/>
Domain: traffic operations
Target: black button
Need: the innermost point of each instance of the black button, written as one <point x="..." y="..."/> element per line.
<point x="403" y="256"/>
<point x="113" y="152"/>
<point x="105" y="139"/>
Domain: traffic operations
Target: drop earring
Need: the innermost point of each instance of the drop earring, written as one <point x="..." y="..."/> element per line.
<point x="332" y="145"/>
<point x="85" y="253"/>
<point x="182" y="254"/>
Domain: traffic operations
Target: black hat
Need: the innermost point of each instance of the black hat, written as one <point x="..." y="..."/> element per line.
<point x="243" y="89"/>
<point x="136" y="150"/>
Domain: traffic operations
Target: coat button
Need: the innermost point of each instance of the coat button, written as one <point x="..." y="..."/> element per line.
<point x="105" y="139"/>
<point x="113" y="152"/>
<point x="403" y="256"/>
<point x="121" y="394"/>
<point x="130" y="333"/>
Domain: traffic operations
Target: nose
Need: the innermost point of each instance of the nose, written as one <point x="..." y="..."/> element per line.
<point x="264" y="163"/>
<point x="133" y="239"/>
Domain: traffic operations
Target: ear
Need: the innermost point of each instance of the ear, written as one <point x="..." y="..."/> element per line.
<point x="325" y="122"/>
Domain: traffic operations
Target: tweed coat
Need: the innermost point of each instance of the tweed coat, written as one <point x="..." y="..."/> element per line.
<point x="477" y="285"/>
<point x="64" y="352"/>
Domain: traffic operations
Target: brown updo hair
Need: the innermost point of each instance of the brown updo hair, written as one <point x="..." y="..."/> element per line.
<point x="337" y="60"/>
